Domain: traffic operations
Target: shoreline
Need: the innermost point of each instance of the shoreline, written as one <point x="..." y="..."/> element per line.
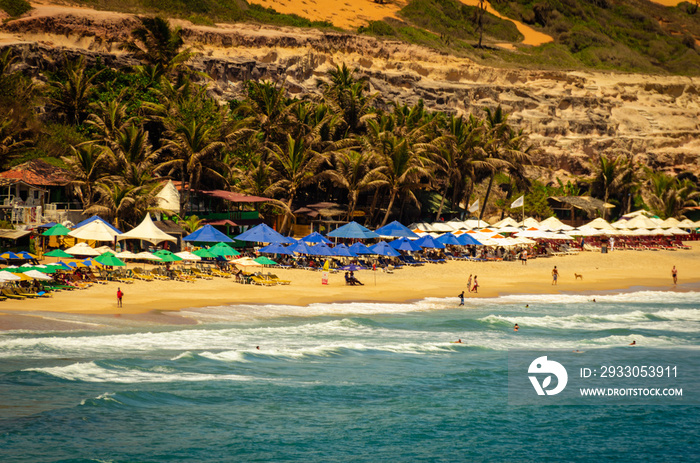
<point x="617" y="272"/>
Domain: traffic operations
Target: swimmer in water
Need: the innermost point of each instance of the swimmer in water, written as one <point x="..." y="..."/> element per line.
<point x="633" y="343"/>
<point x="516" y="327"/>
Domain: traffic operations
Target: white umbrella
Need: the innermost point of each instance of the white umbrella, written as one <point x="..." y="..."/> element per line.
<point x="147" y="256"/>
<point x="476" y="223"/>
<point x="246" y="262"/>
<point x="587" y="230"/>
<point x="677" y="231"/>
<point x="442" y="227"/>
<point x="186" y="255"/>
<point x="599" y="224"/>
<point x="103" y="249"/>
<point x="8" y="276"/>
<point x="553" y="223"/>
<point x="82" y="249"/>
<point x="529" y="223"/>
<point x="686" y="223"/>
<point x="125" y="255"/>
<point x="37" y="275"/>
<point x="670" y="222"/>
<point x="507" y="222"/>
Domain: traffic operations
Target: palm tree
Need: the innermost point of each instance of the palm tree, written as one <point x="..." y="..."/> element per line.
<point x="116" y="201"/>
<point x="157" y="44"/>
<point x="109" y="118"/>
<point x="191" y="223"/>
<point x="669" y="196"/>
<point x="71" y="96"/>
<point x="354" y="171"/>
<point x="296" y="165"/>
<point x="612" y="175"/>
<point x="193" y="147"/>
<point x="347" y="97"/>
<point x="87" y="165"/>
<point x="269" y="108"/>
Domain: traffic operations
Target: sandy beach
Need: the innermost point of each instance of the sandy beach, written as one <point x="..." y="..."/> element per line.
<point x="157" y="301"/>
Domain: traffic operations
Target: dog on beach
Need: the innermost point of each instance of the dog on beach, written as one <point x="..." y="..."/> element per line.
<point x="578" y="277"/>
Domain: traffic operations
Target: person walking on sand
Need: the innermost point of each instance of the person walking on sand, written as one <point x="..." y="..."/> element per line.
<point x="461" y="298"/>
<point x="119" y="297"/>
<point x="469" y="283"/>
<point x="674" y="274"/>
<point x="475" y="288"/>
<point x="555" y="275"/>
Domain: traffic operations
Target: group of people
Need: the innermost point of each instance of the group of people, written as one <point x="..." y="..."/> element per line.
<point x="351" y="280"/>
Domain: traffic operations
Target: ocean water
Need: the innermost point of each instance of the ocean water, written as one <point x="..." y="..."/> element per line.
<point x="346" y="382"/>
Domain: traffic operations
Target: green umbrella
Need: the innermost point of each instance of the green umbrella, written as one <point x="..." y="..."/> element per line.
<point x="223" y="249"/>
<point x="264" y="260"/>
<point x="58" y="253"/>
<point x="167" y="256"/>
<point x="110" y="259"/>
<point x="204" y="253"/>
<point x="56" y="230"/>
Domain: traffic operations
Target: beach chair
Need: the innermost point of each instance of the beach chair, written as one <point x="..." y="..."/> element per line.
<point x="157" y="275"/>
<point x="21" y="292"/>
<point x="274" y="278"/>
<point x="220" y="273"/>
<point x="140" y="274"/>
<point x="258" y="280"/>
<point x="7" y="293"/>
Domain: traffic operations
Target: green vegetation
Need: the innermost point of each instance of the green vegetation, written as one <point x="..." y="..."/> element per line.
<point x="15" y="7"/>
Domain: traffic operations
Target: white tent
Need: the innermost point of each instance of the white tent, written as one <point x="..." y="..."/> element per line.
<point x="442" y="227"/>
<point x="186" y="255"/>
<point x="169" y="198"/>
<point x="103" y="249"/>
<point x="642" y="222"/>
<point x="600" y="224"/>
<point x="476" y="223"/>
<point x="82" y="249"/>
<point x="587" y="230"/>
<point x="422" y="226"/>
<point x="638" y="213"/>
<point x="686" y="223"/>
<point x="670" y="222"/>
<point x="146" y="256"/>
<point x="146" y="231"/>
<point x="507" y="222"/>
<point x="677" y="231"/>
<point x="553" y="223"/>
<point x="96" y="230"/>
<point x="529" y="223"/>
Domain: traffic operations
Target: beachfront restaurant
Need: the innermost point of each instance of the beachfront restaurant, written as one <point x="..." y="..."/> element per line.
<point x="578" y="210"/>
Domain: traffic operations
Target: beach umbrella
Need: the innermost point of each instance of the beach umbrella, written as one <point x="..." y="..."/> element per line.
<point x="61" y="266"/>
<point x="301" y="248"/>
<point x="353" y="230"/>
<point x="351" y="268"/>
<point x="58" y="253"/>
<point x="9" y="255"/>
<point x="246" y="262"/>
<point x="146" y="256"/>
<point x="277" y="248"/>
<point x="204" y="253"/>
<point x="26" y="255"/>
<point x="208" y="234"/>
<point x="342" y="250"/>
<point x="429" y="242"/>
<point x="263" y="234"/>
<point x="264" y="260"/>
<point x="686" y="223"/>
<point x="82" y="249"/>
<point x="404" y="244"/>
<point x="466" y="239"/>
<point x="677" y="231"/>
<point x="395" y="229"/>
<point x="359" y="248"/>
<point x="167" y="256"/>
<point x="110" y="260"/>
<point x="56" y="230"/>
<point x="383" y="249"/>
<point x="316" y="237"/>
<point x="448" y="238"/>
<point x="37" y="275"/>
<point x="9" y="276"/>
<point x="224" y="250"/>
<point x="47" y="268"/>
<point x="442" y="227"/>
<point x="186" y="255"/>
<point x="126" y="255"/>
<point x="321" y="249"/>
<point x="553" y="223"/>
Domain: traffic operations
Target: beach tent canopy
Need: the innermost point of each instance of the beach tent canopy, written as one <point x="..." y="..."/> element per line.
<point x="110" y="259"/>
<point x="10" y="255"/>
<point x="186" y="255"/>
<point x="300" y="247"/>
<point x="321" y="249"/>
<point x="246" y="262"/>
<point x="82" y="249"/>
<point x="600" y="224"/>
<point x="669" y="223"/>
<point x="147" y="231"/>
<point x="467" y="239"/>
<point x="383" y="249"/>
<point x="429" y="242"/>
<point x="277" y="248"/>
<point x="95" y="230"/>
<point x="265" y="260"/>
<point x="316" y="237"/>
<point x="422" y="226"/>
<point x="128" y="255"/>
<point x="476" y="223"/>
<point x="404" y="244"/>
<point x="448" y="238"/>
<point x="224" y="250"/>
<point x="204" y="253"/>
<point x="442" y="227"/>
<point x="553" y="223"/>
<point x="208" y="234"/>
<point x="262" y="233"/>
<point x="353" y="230"/>
<point x="359" y="248"/>
<point x="94" y="218"/>
<point x="395" y="229"/>
<point x="507" y="222"/>
<point x="167" y="256"/>
<point x="26" y="255"/>
<point x="56" y="230"/>
<point x="343" y="250"/>
<point x="146" y="256"/>
<point x="169" y="198"/>
<point x="686" y="223"/>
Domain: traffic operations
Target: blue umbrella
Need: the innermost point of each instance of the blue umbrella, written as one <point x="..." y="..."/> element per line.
<point x="353" y="230"/>
<point x="208" y="234"/>
<point x="93" y="218"/>
<point x="316" y="237"/>
<point x="429" y="242"/>
<point x="301" y="248"/>
<point x="263" y="234"/>
<point x="26" y="255"/>
<point x="448" y="238"/>
<point x="383" y="249"/>
<point x="277" y="248"/>
<point x="465" y="239"/>
<point x="10" y="255"/>
<point x="359" y="248"/>
<point x="404" y="244"/>
<point x="395" y="229"/>
<point x="342" y="250"/>
<point x="322" y="249"/>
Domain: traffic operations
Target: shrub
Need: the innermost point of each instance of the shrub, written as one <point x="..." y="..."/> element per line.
<point x="15" y="7"/>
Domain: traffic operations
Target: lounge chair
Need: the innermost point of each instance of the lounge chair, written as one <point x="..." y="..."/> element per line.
<point x="140" y="274"/>
<point x="21" y="292"/>
<point x="7" y="293"/>
<point x="156" y="274"/>
<point x="258" y="280"/>
<point x="274" y="278"/>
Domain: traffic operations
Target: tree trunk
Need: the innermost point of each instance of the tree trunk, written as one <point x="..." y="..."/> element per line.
<point x="353" y="204"/>
<point x="468" y="196"/>
<point x="287" y="213"/>
<point x="442" y="203"/>
<point x="374" y="205"/>
<point x="388" y="209"/>
<point x="486" y="197"/>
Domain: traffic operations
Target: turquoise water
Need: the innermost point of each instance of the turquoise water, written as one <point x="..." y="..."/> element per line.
<point x="376" y="382"/>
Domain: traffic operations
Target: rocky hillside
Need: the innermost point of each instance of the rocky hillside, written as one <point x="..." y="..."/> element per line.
<point x="571" y="116"/>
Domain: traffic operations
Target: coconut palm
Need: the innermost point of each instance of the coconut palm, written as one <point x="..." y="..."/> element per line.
<point x="669" y="196"/>
<point x="71" y="96"/>
<point x="354" y="171"/>
<point x="612" y="175"/>
<point x="154" y="42"/>
<point x="296" y="166"/>
<point x="116" y="201"/>
<point x="109" y="118"/>
<point x="87" y="165"/>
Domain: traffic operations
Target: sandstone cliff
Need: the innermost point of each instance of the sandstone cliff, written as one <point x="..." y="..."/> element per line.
<point x="571" y="116"/>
